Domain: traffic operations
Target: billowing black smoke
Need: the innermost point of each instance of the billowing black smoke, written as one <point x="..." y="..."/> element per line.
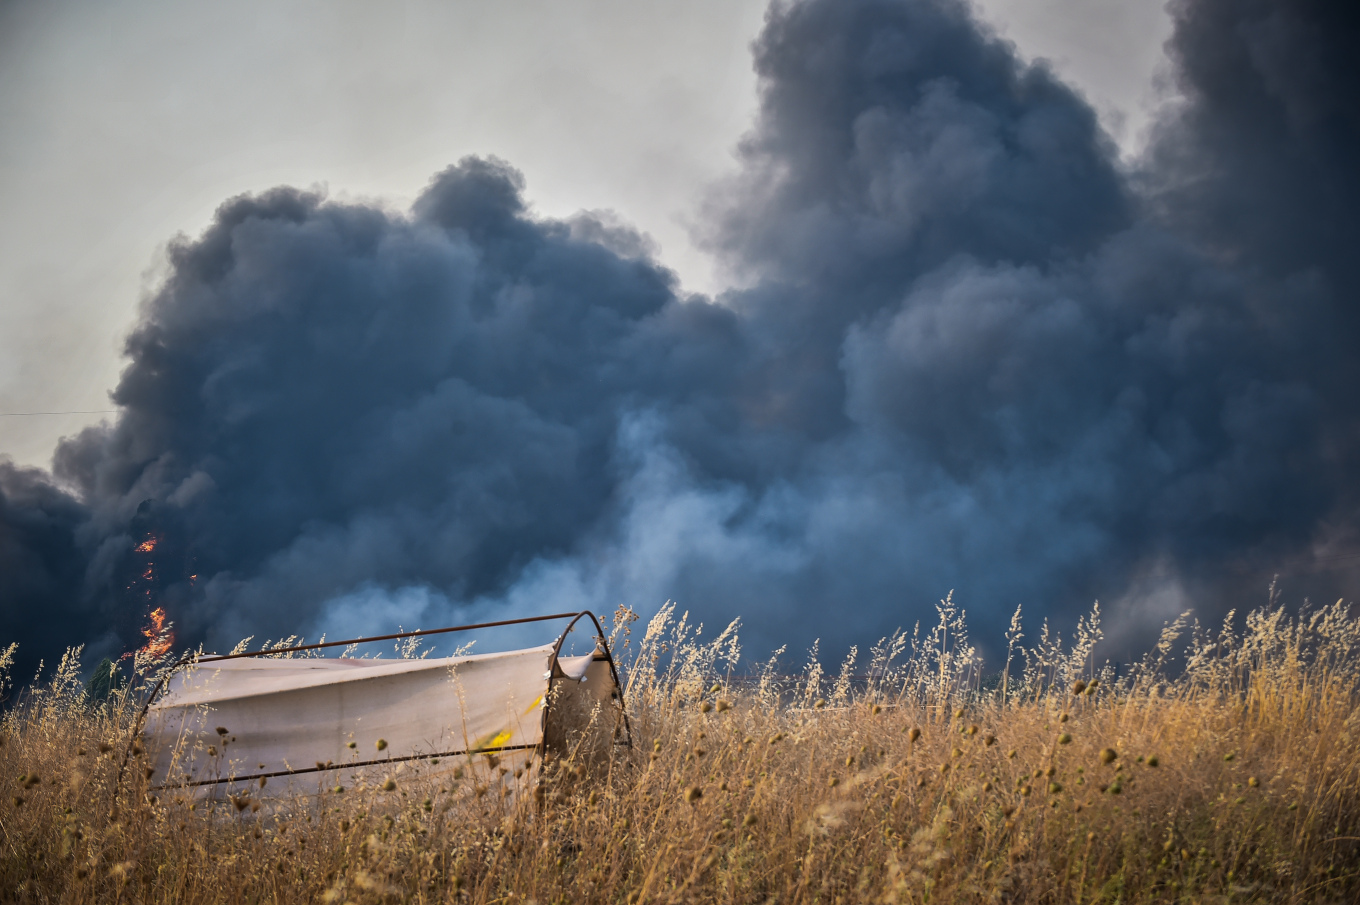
<point x="976" y="353"/>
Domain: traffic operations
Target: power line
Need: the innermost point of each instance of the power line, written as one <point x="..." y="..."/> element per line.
<point x="82" y="412"/>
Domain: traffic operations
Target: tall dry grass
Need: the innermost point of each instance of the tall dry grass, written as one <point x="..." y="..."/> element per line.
<point x="908" y="777"/>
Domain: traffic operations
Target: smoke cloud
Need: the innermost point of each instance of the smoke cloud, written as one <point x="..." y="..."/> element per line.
<point x="974" y="352"/>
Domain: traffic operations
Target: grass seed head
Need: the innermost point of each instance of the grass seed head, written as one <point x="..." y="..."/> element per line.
<point x="914" y="733"/>
<point x="389" y="785"/>
<point x="381" y="744"/>
<point x="1108" y="755"/>
<point x="1065" y="738"/>
<point x="693" y="794"/>
<point x="1078" y="687"/>
<point x="705" y="707"/>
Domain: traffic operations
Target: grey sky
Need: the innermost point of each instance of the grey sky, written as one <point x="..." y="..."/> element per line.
<point x="125" y="122"/>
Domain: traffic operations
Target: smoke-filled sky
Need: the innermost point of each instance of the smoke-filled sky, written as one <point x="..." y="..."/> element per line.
<point x="808" y="314"/>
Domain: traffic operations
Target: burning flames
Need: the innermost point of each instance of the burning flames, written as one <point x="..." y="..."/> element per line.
<point x="159" y="637"/>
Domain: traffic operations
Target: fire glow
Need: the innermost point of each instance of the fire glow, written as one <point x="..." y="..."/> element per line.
<point x="159" y="638"/>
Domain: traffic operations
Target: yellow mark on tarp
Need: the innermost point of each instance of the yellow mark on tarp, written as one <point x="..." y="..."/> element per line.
<point x="538" y="700"/>
<point x="494" y="740"/>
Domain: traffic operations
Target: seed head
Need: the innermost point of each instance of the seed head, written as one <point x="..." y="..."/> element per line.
<point x="1253" y="782"/>
<point x="1054" y="788"/>
<point x="1152" y="761"/>
<point x="222" y="730"/>
<point x="749" y="820"/>
<point x="382" y="744"/>
<point x="1078" y="687"/>
<point x="693" y="794"/>
<point x="1065" y="738"/>
<point x="820" y="704"/>
<point x="989" y="740"/>
<point x="1010" y="755"/>
<point x="1025" y="790"/>
<point x="389" y="785"/>
<point x="972" y="730"/>
<point x="723" y="705"/>
<point x="705" y="706"/>
<point x="833" y="782"/>
<point x="1108" y="755"/>
<point x="914" y="733"/>
<point x="351" y="745"/>
<point x="1228" y="758"/>
<point x="1063" y="718"/>
<point x="958" y="714"/>
<point x="877" y="710"/>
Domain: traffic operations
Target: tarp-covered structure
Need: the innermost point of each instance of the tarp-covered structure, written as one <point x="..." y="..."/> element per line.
<point x="218" y="726"/>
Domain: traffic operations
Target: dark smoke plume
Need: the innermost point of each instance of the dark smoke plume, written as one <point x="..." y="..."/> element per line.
<point x="976" y="352"/>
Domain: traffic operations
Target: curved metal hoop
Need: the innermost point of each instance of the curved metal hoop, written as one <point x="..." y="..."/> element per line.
<point x="602" y="644"/>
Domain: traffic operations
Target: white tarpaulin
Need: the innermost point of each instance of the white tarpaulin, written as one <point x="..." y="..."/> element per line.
<point x="306" y="724"/>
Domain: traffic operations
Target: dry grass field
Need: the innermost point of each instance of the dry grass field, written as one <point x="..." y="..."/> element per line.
<point x="1225" y="767"/>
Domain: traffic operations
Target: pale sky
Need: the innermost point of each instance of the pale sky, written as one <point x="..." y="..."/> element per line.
<point x="126" y="122"/>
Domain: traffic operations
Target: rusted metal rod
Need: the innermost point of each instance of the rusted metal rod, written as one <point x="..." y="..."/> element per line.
<point x="428" y="631"/>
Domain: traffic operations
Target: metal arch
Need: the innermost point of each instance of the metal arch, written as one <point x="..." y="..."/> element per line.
<point x="603" y="645"/>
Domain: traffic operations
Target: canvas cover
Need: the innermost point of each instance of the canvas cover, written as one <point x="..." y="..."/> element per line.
<point x="310" y="724"/>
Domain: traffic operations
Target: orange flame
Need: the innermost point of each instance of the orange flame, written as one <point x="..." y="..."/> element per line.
<point x="159" y="640"/>
<point x="147" y="545"/>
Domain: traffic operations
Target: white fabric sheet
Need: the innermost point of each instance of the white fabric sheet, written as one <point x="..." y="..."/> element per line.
<point x="296" y="716"/>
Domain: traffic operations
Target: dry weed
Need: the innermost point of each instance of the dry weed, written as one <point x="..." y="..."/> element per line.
<point x="1233" y="780"/>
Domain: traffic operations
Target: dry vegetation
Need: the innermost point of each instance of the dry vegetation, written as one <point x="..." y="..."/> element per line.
<point x="1056" y="781"/>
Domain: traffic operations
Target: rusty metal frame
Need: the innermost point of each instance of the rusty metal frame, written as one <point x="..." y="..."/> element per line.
<point x="602" y="644"/>
<point x="194" y="659"/>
